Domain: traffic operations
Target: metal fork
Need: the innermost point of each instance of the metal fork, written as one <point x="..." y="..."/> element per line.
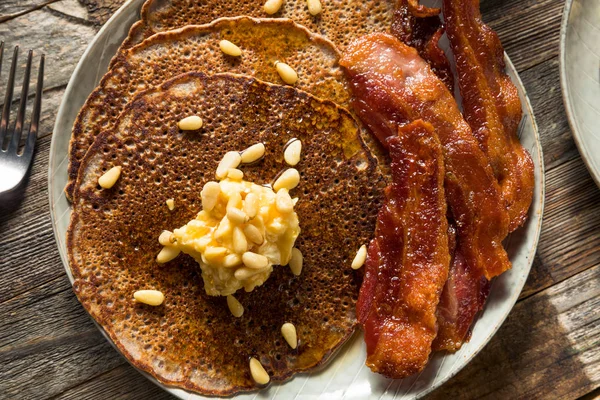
<point x="14" y="166"/>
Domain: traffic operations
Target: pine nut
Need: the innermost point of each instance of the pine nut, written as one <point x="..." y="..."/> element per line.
<point x="295" y="201"/>
<point x="289" y="179"/>
<point x="253" y="260"/>
<point x="190" y="123"/>
<point x="287" y="73"/>
<point x="235" y="200"/>
<point x="359" y="259"/>
<point x="231" y="159"/>
<point x="253" y="234"/>
<point x="165" y="238"/>
<point x="314" y="7"/>
<point x="150" y="297"/>
<point x="272" y="6"/>
<point x="210" y="193"/>
<point x="213" y="254"/>
<point x="253" y="153"/>
<point x="283" y="202"/>
<point x="229" y="48"/>
<point x="244" y="273"/>
<point x="236" y="308"/>
<point x="110" y="177"/>
<point x="232" y="260"/>
<point x="167" y="254"/>
<point x="240" y="244"/>
<point x="288" y="331"/>
<point x="170" y="204"/>
<point x="291" y="154"/>
<point x="251" y="204"/>
<point x="235" y="215"/>
<point x="258" y="372"/>
<point x="235" y="174"/>
<point x="224" y="229"/>
<point x="296" y="262"/>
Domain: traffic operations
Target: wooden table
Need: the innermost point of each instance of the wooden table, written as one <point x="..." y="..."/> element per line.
<point x="549" y="347"/>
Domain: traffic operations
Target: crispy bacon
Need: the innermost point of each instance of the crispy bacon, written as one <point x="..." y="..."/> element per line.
<point x="392" y="85"/>
<point x="407" y="263"/>
<point x="463" y="297"/>
<point x="420" y="27"/>
<point x="491" y="104"/>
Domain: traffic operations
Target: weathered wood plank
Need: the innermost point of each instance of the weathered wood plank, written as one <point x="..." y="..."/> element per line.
<point x="542" y="83"/>
<point x="529" y="30"/>
<point x="123" y="382"/>
<point x="10" y="9"/>
<point x="101" y="10"/>
<point x="547" y="348"/>
<point x="61" y="37"/>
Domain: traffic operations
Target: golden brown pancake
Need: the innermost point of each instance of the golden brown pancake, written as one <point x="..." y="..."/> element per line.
<point x="196" y="48"/>
<point x="192" y="340"/>
<point x="341" y="21"/>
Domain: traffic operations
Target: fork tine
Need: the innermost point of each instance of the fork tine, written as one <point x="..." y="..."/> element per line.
<point x="8" y="97"/>
<point x="35" y="114"/>
<point x="1" y="54"/>
<point x="16" y="136"/>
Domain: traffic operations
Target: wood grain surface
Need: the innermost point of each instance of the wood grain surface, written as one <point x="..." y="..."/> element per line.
<point x="549" y="347"/>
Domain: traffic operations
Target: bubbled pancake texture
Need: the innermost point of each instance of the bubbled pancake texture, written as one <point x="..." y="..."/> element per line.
<point x="341" y="20"/>
<point x="192" y="340"/>
<point x="197" y="49"/>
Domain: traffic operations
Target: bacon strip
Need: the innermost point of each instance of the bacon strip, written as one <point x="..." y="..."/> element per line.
<point x="408" y="259"/>
<point x="491" y="104"/>
<point x="392" y="85"/>
<point x="420" y="27"/>
<point x="463" y="297"/>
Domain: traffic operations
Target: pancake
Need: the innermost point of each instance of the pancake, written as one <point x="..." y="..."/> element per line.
<point x="341" y="20"/>
<point x="196" y="48"/>
<point x="192" y="340"/>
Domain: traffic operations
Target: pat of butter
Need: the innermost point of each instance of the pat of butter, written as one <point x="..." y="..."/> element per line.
<point x="245" y="218"/>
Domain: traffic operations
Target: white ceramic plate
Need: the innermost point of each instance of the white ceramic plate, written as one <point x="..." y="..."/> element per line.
<point x="345" y="376"/>
<point x="580" y="77"/>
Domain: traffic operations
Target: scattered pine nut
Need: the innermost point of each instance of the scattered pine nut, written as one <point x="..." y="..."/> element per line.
<point x="235" y="174"/>
<point x="236" y="308"/>
<point x="240" y="243"/>
<point x="296" y="262"/>
<point x="314" y="7"/>
<point x="190" y="123"/>
<point x="236" y="216"/>
<point x="167" y="254"/>
<point x="359" y="259"/>
<point x="288" y="331"/>
<point x="287" y="73"/>
<point x="289" y="179"/>
<point x="253" y="234"/>
<point x="251" y="203"/>
<point x="229" y="48"/>
<point x="165" y="238"/>
<point x="210" y="193"/>
<point x="170" y="204"/>
<point x="254" y="260"/>
<point x="272" y="6"/>
<point x="231" y="159"/>
<point x="150" y="297"/>
<point x="110" y="177"/>
<point x="291" y="154"/>
<point x="232" y="260"/>
<point x="253" y="153"/>
<point x="283" y="201"/>
<point x="259" y="374"/>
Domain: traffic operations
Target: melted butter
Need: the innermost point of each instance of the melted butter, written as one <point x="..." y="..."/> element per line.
<point x="210" y="238"/>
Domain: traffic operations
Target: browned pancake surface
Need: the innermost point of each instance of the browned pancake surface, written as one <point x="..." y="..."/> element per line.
<point x="192" y="340"/>
<point x="196" y="48"/>
<point x="341" y="20"/>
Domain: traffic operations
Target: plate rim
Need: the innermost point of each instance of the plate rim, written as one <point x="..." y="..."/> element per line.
<point x="182" y="393"/>
<point x="566" y="95"/>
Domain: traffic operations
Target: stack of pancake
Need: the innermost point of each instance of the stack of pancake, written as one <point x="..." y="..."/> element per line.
<point x="171" y="67"/>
